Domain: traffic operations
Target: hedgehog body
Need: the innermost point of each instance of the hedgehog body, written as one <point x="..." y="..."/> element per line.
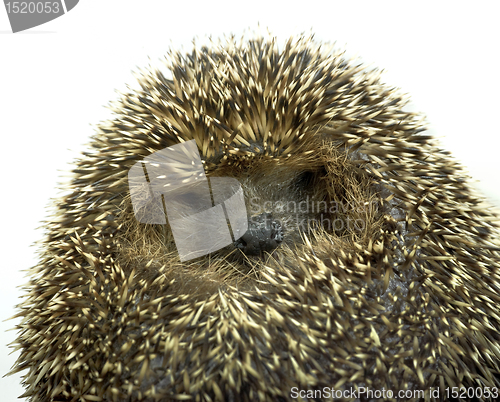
<point x="392" y="283"/>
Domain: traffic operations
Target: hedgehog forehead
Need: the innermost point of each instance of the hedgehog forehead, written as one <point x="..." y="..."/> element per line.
<point x="241" y="100"/>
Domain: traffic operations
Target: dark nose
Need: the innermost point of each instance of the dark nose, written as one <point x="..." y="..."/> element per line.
<point x="264" y="234"/>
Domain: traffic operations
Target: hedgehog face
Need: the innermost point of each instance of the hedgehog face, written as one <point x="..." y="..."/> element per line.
<point x="385" y="275"/>
<point x="290" y="202"/>
<point x="297" y="200"/>
<point x="308" y="200"/>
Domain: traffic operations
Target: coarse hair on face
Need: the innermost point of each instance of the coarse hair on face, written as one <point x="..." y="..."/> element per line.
<point x="316" y="190"/>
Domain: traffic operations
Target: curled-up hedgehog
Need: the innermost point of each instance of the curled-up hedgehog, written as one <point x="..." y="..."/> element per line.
<point x="367" y="264"/>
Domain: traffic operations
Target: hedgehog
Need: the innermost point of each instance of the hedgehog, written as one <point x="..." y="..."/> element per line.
<point x="369" y="265"/>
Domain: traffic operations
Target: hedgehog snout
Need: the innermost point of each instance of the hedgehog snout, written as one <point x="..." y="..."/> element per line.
<point x="264" y="233"/>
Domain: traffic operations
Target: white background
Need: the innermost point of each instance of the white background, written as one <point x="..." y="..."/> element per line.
<point x="56" y="78"/>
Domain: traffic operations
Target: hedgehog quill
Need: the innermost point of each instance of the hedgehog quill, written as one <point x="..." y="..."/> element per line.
<point x="369" y="262"/>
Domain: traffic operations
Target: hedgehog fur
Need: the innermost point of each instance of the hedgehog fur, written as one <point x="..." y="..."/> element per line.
<point x="406" y="300"/>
